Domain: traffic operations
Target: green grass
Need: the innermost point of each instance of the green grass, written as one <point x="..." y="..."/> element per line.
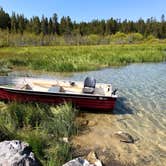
<point x="42" y="126"/>
<point x="80" y="58"/>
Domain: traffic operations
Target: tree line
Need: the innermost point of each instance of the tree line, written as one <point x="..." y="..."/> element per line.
<point x="19" y="24"/>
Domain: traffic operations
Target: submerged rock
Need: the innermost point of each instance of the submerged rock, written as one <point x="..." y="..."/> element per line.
<point x="91" y="123"/>
<point x="16" y="153"/>
<point x="124" y="137"/>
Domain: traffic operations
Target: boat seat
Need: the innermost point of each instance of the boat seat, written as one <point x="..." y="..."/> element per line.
<point x="26" y="87"/>
<point x="61" y="89"/>
<point x="88" y="90"/>
<point x="99" y="91"/>
<point x="56" y="89"/>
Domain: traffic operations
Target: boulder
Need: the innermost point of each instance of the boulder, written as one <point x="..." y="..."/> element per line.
<point x="16" y="153"/>
<point x="78" y="162"/>
<point x="91" y="160"/>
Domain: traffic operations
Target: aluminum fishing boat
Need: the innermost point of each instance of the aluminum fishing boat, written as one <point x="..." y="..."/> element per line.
<point x="84" y="95"/>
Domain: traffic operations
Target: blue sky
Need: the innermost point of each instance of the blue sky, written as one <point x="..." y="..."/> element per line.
<point x="87" y="10"/>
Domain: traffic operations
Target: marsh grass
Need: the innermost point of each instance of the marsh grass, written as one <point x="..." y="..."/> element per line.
<point x="81" y="58"/>
<point x="42" y="126"/>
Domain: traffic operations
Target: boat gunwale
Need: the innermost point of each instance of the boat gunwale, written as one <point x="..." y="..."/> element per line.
<point x="59" y="94"/>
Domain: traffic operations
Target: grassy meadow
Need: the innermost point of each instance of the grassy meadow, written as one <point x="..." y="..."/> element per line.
<point x="80" y="58"/>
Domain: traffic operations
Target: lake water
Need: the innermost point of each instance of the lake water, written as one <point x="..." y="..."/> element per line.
<point x="140" y="111"/>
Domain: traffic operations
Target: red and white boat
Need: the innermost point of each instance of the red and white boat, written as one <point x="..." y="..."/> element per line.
<point x="86" y="95"/>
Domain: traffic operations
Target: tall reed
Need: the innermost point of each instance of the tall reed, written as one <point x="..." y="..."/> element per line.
<point x="81" y="58"/>
<point x="42" y="126"/>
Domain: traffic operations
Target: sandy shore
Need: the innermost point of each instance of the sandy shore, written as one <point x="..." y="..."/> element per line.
<point x="98" y="134"/>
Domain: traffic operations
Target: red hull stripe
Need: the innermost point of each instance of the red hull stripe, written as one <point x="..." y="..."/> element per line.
<point x="82" y="101"/>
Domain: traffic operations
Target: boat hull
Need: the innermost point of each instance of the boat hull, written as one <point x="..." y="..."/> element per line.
<point x="102" y="103"/>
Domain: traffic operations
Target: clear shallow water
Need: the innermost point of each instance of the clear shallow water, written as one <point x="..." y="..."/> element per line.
<point x="140" y="110"/>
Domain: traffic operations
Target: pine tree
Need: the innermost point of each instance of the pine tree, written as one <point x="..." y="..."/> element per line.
<point x="21" y="23"/>
<point x="14" y="24"/>
<point x="44" y="25"/>
<point x="4" y="19"/>
<point x="50" y="26"/>
<point x="55" y="24"/>
<point x="36" y="25"/>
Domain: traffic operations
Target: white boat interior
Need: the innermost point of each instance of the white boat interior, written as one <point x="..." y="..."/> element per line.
<point x="62" y="86"/>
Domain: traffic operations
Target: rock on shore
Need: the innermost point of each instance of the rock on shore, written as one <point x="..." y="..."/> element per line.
<point x="90" y="160"/>
<point x="16" y="153"/>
